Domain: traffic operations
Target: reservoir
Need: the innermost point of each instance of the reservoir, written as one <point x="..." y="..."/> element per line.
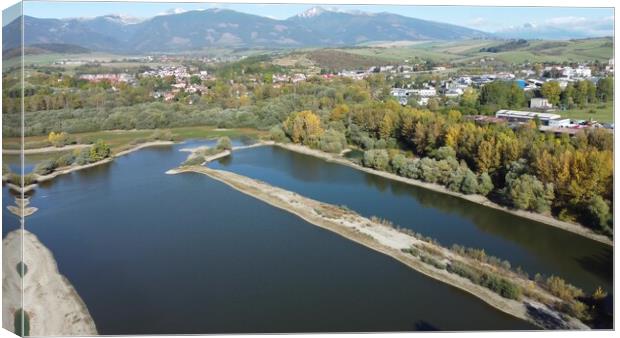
<point x="536" y="247"/>
<point x="153" y="253"/>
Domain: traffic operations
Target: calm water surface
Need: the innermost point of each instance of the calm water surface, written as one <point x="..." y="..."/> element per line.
<point x="156" y="253"/>
<point x="536" y="247"/>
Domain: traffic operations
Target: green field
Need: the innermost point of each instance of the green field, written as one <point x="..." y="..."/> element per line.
<point x="603" y="112"/>
<point x="469" y="51"/>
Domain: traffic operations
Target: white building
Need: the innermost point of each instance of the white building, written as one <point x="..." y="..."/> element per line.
<point x="546" y="119"/>
<point x="581" y="71"/>
<point x="540" y="103"/>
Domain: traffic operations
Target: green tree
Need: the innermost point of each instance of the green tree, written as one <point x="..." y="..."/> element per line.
<point x="99" y="151"/>
<point x="597" y="214"/>
<point x="470" y="183"/>
<point x="551" y="91"/>
<point x="528" y="193"/>
<point x="485" y="184"/>
<point x="605" y="89"/>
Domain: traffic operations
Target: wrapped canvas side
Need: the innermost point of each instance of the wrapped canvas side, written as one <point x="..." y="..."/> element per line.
<point x="14" y="317"/>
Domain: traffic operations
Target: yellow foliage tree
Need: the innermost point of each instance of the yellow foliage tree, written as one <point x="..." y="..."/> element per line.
<point x="304" y="127"/>
<point x="339" y="112"/>
<point x="57" y="139"/>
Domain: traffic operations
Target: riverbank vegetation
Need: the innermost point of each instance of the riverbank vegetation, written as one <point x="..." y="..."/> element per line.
<point x="99" y="151"/>
<point x="569" y="178"/>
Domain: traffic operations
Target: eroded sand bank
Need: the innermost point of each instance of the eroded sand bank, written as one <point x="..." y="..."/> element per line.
<point x="53" y="306"/>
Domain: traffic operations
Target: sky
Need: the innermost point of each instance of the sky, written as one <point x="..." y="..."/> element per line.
<point x="589" y="21"/>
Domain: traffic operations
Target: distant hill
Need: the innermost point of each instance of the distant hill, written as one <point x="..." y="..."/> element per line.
<point x="45" y="48"/>
<point x="508" y="46"/>
<point x="195" y="30"/>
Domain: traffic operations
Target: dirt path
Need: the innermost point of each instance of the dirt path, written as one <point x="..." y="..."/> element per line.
<point x="45" y="149"/>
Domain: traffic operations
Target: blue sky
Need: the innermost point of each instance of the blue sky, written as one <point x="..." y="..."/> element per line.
<point x="592" y="21"/>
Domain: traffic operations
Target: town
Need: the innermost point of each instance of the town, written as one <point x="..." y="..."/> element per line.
<point x="431" y="88"/>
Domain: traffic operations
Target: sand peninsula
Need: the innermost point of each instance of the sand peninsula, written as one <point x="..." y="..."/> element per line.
<point x="474" y="198"/>
<point x="409" y="249"/>
<point x="479" y="199"/>
<point x="51" y="303"/>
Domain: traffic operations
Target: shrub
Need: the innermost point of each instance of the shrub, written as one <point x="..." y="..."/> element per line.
<point x="413" y="251"/>
<point x="195" y="160"/>
<point x="45" y="167"/>
<point x="559" y="288"/>
<point x="576" y="309"/>
<point x="17" y="179"/>
<point x="65" y="160"/>
<point x="82" y="156"/>
<point x="163" y="135"/>
<point x="276" y="133"/>
<point x="432" y="261"/>
<point x="500" y="286"/>
<point x="377" y="159"/>
<point x="224" y="143"/>
<point x="398" y="164"/>
<point x="332" y="141"/>
<point x="99" y="151"/>
<point x="464" y="271"/>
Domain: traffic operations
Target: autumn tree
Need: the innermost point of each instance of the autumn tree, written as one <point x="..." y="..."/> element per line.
<point x="303" y="127"/>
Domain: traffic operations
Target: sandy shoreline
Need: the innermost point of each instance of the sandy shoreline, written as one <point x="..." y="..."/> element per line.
<point x="52" y="304"/>
<point x="386" y="240"/>
<point x="479" y="199"/>
<point x="73" y="168"/>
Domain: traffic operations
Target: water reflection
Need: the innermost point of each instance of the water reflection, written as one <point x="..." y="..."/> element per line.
<point x="533" y="246"/>
<point x="151" y="253"/>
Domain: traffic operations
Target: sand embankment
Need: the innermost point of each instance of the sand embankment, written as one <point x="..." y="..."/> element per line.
<point x="143" y="145"/>
<point x="45" y="149"/>
<point x="391" y="242"/>
<point x="53" y="306"/>
<point x="479" y="199"/>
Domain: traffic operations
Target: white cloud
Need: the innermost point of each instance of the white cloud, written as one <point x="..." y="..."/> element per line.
<point x="564" y="27"/>
<point x="173" y="11"/>
<point x="566" y="20"/>
<point x="478" y="21"/>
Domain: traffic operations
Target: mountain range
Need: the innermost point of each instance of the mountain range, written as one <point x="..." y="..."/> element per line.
<point x="195" y="30"/>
